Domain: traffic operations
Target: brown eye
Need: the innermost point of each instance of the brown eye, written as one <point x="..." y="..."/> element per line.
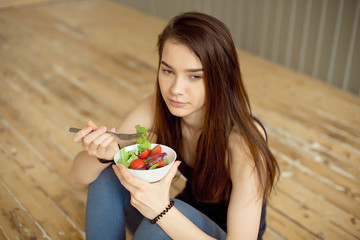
<point x="166" y="71"/>
<point x="196" y="77"/>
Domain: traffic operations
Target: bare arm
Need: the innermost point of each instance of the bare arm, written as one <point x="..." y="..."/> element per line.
<point x="84" y="161"/>
<point x="246" y="199"/>
<point x="97" y="144"/>
<point x="245" y="205"/>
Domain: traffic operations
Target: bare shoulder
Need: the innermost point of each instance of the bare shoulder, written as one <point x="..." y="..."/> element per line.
<point x="143" y="114"/>
<point x="239" y="153"/>
<point x="243" y="172"/>
<point x="240" y="158"/>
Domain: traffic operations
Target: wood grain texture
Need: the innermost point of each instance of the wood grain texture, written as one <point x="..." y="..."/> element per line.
<point x="62" y="63"/>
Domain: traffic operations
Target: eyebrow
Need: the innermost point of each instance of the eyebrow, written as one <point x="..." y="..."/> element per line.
<point x="187" y="70"/>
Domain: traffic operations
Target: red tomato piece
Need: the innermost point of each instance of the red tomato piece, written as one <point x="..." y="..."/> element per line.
<point x="155" y="150"/>
<point x="144" y="154"/>
<point x="137" y="163"/>
<point x="161" y="163"/>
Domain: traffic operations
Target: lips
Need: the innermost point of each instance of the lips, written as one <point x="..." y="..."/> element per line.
<point x="177" y="104"/>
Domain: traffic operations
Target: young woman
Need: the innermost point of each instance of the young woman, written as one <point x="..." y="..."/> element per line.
<point x="202" y="111"/>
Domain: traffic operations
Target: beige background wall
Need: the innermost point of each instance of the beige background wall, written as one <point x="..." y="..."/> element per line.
<point x="320" y="38"/>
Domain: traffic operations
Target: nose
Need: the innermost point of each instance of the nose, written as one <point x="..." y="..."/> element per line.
<point x="178" y="87"/>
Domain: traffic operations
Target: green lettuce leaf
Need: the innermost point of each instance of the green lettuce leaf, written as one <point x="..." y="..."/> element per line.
<point x="124" y="157"/>
<point x="142" y="140"/>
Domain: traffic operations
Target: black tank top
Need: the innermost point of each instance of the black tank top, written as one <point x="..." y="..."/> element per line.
<point x="215" y="211"/>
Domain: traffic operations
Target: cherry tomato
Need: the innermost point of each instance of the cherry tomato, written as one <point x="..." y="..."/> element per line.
<point x="144" y="154"/>
<point x="155" y="150"/>
<point x="137" y="163"/>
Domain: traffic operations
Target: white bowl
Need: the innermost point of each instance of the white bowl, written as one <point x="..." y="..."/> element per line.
<point x="152" y="175"/>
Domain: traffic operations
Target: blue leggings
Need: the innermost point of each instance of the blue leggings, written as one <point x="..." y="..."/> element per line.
<point x="108" y="211"/>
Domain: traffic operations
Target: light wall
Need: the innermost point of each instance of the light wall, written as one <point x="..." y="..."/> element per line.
<point x="320" y="38"/>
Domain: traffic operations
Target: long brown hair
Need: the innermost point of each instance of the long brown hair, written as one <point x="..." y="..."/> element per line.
<point x="227" y="106"/>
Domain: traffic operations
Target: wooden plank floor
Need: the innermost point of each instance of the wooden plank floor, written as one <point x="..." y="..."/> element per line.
<point x="66" y="62"/>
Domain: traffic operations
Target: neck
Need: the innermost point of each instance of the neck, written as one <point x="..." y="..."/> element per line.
<point x="193" y="127"/>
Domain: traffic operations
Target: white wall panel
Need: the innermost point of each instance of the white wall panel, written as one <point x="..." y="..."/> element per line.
<point x="320" y="38"/>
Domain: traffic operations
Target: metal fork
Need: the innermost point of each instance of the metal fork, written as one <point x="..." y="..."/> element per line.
<point x="121" y="136"/>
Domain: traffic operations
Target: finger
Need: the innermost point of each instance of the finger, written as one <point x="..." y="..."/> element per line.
<point x="100" y="138"/>
<point x="99" y="144"/>
<point x="91" y="124"/>
<point x="127" y="180"/>
<point x="104" y="144"/>
<point x="81" y="134"/>
<point x="118" y="173"/>
<point x="105" y="149"/>
<point x="114" y="131"/>
<point x="172" y="172"/>
<point x="92" y="136"/>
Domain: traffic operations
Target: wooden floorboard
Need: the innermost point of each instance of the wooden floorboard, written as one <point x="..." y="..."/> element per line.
<point x="63" y="62"/>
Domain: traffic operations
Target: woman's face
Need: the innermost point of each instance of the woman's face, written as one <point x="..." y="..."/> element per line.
<point x="181" y="80"/>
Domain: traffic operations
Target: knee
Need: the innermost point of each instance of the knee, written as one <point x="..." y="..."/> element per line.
<point x="147" y="229"/>
<point x="184" y="208"/>
<point x="106" y="178"/>
<point x="106" y="182"/>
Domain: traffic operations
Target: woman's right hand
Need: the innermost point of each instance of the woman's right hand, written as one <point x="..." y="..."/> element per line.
<point x="96" y="142"/>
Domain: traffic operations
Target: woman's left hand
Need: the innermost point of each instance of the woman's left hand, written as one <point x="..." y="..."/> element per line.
<point x="149" y="199"/>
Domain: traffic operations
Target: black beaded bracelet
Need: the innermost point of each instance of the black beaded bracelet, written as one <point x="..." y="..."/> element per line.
<point x="104" y="161"/>
<point x="107" y="161"/>
<point x="171" y="204"/>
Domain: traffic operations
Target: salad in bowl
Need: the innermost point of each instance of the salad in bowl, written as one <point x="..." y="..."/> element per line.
<point x="149" y="162"/>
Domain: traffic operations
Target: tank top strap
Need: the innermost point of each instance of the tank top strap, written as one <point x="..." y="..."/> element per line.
<point x="258" y="121"/>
